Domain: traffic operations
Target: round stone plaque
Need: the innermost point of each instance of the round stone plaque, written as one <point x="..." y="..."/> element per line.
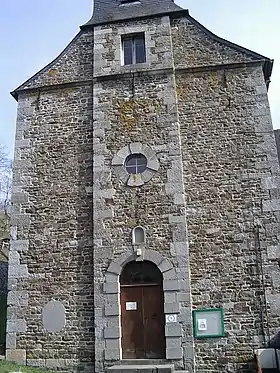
<point x="54" y="318"/>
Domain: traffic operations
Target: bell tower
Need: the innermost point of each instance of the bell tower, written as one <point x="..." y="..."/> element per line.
<point x="145" y="200"/>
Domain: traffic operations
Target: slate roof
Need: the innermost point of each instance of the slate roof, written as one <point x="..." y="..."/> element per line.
<point x="116" y="10"/>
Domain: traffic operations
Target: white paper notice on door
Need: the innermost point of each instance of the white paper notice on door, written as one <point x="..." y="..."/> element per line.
<point x="131" y="306"/>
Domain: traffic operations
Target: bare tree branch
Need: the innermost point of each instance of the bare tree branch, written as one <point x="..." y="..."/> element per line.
<point x="5" y="200"/>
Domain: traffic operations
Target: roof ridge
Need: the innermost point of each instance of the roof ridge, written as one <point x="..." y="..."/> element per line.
<point x="107" y="11"/>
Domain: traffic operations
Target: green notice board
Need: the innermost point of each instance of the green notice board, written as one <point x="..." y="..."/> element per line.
<point x="209" y="323"/>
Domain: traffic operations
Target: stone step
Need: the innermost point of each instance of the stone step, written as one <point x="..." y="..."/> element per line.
<point x="143" y="362"/>
<point x="141" y="368"/>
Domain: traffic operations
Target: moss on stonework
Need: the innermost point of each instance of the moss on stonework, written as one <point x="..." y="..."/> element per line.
<point x="7" y="367"/>
<point x="133" y="108"/>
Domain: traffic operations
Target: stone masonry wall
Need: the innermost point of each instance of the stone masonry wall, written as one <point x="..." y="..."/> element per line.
<point x="74" y="64"/>
<point x="221" y="117"/>
<point x="138" y="107"/>
<point x="51" y="251"/>
<point x="231" y="179"/>
<point x="193" y="47"/>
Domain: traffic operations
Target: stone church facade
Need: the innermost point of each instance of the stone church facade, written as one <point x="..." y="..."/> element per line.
<point x="145" y="189"/>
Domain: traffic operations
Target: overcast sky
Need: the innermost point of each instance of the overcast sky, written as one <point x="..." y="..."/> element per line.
<point x="34" y="32"/>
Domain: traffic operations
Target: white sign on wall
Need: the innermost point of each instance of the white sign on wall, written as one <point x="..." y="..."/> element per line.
<point x="171" y="318"/>
<point x="131" y="306"/>
<point x="202" y="324"/>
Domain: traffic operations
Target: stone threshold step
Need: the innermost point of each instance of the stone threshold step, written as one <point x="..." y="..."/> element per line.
<point x="143" y="362"/>
<point x="141" y="368"/>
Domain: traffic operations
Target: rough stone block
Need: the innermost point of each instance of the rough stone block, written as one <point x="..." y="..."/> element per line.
<point x="179" y="199"/>
<point x="112" y="333"/>
<point x="173" y="342"/>
<point x="113" y="344"/>
<point x="147" y="175"/>
<point x="271" y="182"/>
<point x="188" y="352"/>
<point x="11" y="341"/>
<point x="111" y="277"/>
<point x="18" y="198"/>
<point x="14" y="258"/>
<point x="184" y="297"/>
<point x="165" y="266"/>
<point x="170" y="275"/>
<point x="37" y="363"/>
<point x="273" y="252"/>
<point x="117" y="161"/>
<point x="112" y="354"/>
<point x="114" y="268"/>
<point x="174" y="353"/>
<point x="20" y="220"/>
<point x="174" y="188"/>
<point x="154" y="256"/>
<point x="18" y="271"/>
<point x="17" y="298"/>
<point x="112" y="310"/>
<point x="173" y="330"/>
<point x="271" y="205"/>
<point x="153" y="164"/>
<point x="170" y="297"/>
<point x="173" y="219"/>
<point x="171" y="307"/>
<point x="136" y="147"/>
<point x="12" y="284"/>
<point x="179" y="248"/>
<point x="60" y="363"/>
<point x="111" y="288"/>
<point x="124" y="152"/>
<point x="16" y="356"/>
<point x="17" y="326"/>
<point x="135" y="180"/>
<point x="171" y="285"/>
<point x="104" y="214"/>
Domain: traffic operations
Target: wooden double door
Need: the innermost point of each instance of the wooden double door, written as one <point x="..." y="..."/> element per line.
<point x="142" y="318"/>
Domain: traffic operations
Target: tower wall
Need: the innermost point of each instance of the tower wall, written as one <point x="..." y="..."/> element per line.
<point x="198" y="110"/>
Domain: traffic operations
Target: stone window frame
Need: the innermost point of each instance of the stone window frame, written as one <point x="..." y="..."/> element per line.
<point x="133" y="38"/>
<point x="134" y="29"/>
<point x="112" y="312"/>
<point x="134" y="180"/>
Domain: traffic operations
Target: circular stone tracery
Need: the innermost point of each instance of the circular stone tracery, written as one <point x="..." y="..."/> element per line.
<point x="135" y="164"/>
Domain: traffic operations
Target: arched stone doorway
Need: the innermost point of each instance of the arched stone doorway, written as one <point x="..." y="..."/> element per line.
<point x="142" y="311"/>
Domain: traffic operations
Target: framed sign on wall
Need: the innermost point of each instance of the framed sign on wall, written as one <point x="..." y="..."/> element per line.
<point x="208" y="323"/>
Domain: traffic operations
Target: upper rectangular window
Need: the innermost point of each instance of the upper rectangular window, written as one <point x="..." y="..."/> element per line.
<point x="134" y="50"/>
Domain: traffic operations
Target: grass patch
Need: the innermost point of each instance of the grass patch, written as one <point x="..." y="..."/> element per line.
<point x="7" y="367"/>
